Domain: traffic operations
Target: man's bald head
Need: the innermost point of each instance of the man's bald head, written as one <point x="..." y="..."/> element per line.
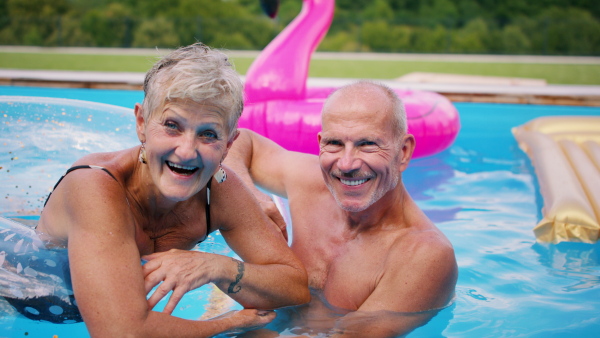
<point x="370" y="90"/>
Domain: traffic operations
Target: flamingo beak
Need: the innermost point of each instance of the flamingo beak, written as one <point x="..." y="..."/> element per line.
<point x="270" y="7"/>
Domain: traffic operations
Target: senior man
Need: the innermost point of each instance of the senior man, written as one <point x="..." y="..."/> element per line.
<point x="371" y="254"/>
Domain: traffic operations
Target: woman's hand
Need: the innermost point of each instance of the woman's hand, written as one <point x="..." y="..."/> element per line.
<point x="248" y="319"/>
<point x="179" y="271"/>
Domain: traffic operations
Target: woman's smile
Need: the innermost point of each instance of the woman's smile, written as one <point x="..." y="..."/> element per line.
<point x="181" y="169"/>
<point x="184" y="146"/>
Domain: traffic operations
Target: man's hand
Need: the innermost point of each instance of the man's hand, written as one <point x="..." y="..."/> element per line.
<point x="270" y="208"/>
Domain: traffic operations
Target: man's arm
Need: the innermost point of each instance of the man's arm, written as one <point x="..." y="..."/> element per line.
<point x="419" y="280"/>
<point x="259" y="161"/>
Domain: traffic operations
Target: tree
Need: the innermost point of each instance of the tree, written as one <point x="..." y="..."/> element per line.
<point x="471" y="38"/>
<point x="157" y="32"/>
<point x="109" y="27"/>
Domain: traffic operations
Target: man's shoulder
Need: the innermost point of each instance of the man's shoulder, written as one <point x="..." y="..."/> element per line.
<point x="422" y="245"/>
<point x="428" y="254"/>
<point x="421" y="235"/>
<point x="303" y="173"/>
<point x="421" y="268"/>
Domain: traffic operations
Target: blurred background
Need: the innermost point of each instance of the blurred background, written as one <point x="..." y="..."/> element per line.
<point x="541" y="27"/>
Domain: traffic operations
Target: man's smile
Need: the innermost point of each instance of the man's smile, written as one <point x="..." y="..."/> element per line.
<point x="353" y="182"/>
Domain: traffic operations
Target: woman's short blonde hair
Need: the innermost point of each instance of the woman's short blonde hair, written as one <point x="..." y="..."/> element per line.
<point x="198" y="73"/>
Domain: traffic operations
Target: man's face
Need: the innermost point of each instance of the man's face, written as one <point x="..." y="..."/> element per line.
<point x="360" y="155"/>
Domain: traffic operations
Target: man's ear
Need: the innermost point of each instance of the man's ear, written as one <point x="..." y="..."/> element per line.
<point x="407" y="148"/>
<point x="319" y="138"/>
<point x="140" y="125"/>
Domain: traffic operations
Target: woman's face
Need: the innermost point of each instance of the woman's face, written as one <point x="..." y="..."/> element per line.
<point x="185" y="143"/>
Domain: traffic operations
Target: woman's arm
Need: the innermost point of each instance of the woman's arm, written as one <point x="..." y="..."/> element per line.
<point x="268" y="276"/>
<point x="105" y="264"/>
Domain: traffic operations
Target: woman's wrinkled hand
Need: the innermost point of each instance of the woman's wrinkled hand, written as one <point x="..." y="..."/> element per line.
<point x="248" y="319"/>
<point x="179" y="271"/>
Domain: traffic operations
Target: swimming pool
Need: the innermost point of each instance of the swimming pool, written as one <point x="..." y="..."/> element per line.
<point x="481" y="193"/>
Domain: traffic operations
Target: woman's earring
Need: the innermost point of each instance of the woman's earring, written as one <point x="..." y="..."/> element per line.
<point x="142" y="157"/>
<point x="220" y="175"/>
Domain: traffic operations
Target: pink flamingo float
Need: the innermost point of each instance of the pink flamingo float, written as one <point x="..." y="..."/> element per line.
<point x="278" y="104"/>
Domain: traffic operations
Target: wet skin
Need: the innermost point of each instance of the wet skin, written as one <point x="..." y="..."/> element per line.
<point x="366" y="245"/>
<point x="158" y="209"/>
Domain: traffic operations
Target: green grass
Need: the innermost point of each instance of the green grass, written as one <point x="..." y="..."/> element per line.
<point x="585" y="74"/>
<point x="52" y="61"/>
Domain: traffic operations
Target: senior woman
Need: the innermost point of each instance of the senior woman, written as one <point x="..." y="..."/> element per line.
<point x="166" y="195"/>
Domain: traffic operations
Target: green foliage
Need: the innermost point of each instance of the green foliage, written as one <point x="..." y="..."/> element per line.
<point x="157" y="32"/>
<point x="37" y="8"/>
<point x="288" y="10"/>
<point x="439" y="12"/>
<point x="376" y="34"/>
<point x="71" y="33"/>
<point x="570" y="27"/>
<point x="110" y="26"/>
<point x="436" y="40"/>
<point x="579" y="34"/>
<point x="341" y="41"/>
<point x="378" y="10"/>
<point x="513" y="40"/>
<point x="471" y="38"/>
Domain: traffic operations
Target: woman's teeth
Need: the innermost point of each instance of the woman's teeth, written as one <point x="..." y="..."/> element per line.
<point x="181" y="169"/>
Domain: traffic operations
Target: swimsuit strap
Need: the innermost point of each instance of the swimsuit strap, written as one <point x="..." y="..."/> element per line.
<point x="207" y="209"/>
<point x="75" y="168"/>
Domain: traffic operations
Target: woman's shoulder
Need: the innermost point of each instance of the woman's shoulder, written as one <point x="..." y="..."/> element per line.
<point x="118" y="163"/>
<point x="232" y="187"/>
<point x="82" y="190"/>
<point x="94" y="176"/>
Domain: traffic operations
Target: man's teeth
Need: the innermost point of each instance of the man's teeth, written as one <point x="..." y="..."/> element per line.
<point x="347" y="182"/>
<point x="171" y="164"/>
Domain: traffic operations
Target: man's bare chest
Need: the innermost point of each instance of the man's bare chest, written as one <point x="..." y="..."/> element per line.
<point x="346" y="271"/>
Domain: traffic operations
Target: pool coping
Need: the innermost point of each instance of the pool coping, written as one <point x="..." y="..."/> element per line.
<point x="579" y="95"/>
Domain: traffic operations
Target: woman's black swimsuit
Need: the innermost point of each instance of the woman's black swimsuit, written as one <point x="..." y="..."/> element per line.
<point x="207" y="208"/>
<point x="73" y="169"/>
<point x="60" y="306"/>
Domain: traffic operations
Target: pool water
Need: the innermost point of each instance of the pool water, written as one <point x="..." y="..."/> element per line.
<point x="481" y="192"/>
